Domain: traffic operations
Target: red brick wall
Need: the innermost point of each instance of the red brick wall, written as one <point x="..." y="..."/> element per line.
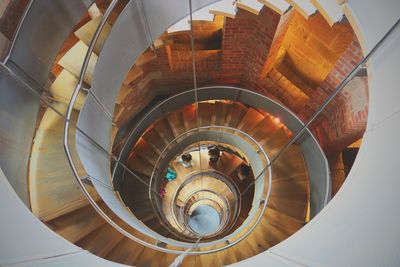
<point x="337" y="171"/>
<point x="245" y="38"/>
<point x="344" y="120"/>
<point x="248" y="41"/>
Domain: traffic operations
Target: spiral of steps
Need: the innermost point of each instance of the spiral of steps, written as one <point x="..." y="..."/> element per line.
<point x="286" y="212"/>
<point x="58" y="202"/>
<point x="288" y="206"/>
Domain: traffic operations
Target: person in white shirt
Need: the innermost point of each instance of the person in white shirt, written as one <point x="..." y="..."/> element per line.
<point x="186" y="160"/>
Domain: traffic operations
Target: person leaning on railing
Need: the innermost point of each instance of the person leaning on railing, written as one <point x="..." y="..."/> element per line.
<point x="214" y="153"/>
<point x="186" y="160"/>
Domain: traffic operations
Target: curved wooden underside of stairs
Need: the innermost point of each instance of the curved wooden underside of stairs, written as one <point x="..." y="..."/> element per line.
<point x="57" y="200"/>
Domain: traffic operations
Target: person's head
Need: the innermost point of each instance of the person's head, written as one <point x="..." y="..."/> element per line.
<point x="214" y="152"/>
<point x="244" y="169"/>
<point x="186" y="157"/>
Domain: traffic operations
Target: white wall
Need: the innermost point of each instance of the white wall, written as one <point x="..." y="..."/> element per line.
<point x="26" y="241"/>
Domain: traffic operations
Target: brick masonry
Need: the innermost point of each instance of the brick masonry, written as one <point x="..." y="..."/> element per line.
<point x="250" y="56"/>
<point x="250" y="47"/>
<point x="337" y="171"/>
<point x="344" y="120"/>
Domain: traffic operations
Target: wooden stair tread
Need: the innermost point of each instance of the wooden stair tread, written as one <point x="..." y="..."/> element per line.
<point x="64" y="86"/>
<point x="143" y="211"/>
<point x="292" y="208"/>
<point x="264" y="128"/>
<point x="86" y="33"/>
<point x="236" y="114"/>
<point x="176" y="123"/>
<point x="133" y="74"/>
<point x="73" y="60"/>
<point x="275" y="141"/>
<point x="283" y="219"/>
<point x="143" y="149"/>
<point x="221" y="110"/>
<point x="138" y="164"/>
<point x="250" y="120"/>
<point x="124" y="252"/>
<point x="154" y="140"/>
<point x="189" y="117"/>
<point x="53" y="189"/>
<point x="228" y="163"/>
<point x="206" y="111"/>
<point x="146" y="57"/>
<point x="164" y="130"/>
<point x="77" y="224"/>
<point x="102" y="241"/>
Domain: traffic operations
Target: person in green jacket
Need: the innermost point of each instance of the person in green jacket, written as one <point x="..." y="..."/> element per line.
<point x="170" y="175"/>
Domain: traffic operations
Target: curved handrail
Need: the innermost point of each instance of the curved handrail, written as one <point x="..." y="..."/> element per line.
<point x="219" y="176"/>
<point x="215" y="193"/>
<point x="196" y="131"/>
<point x="220" y="227"/>
<point x="195" y="175"/>
<point x="193" y="192"/>
<point x="80" y="183"/>
<point x="74" y="96"/>
<point x="227" y="128"/>
<point x="297" y="125"/>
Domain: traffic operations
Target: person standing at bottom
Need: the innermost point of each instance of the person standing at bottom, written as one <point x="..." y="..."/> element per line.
<point x="214" y="153"/>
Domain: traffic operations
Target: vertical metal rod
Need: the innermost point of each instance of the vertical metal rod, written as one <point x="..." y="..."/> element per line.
<point x="179" y="260"/>
<point x="195" y="80"/>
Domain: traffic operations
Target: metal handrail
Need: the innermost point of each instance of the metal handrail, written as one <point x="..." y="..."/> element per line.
<point x="173" y="141"/>
<point x="338" y="89"/>
<point x="194" y="175"/>
<point x="305" y="127"/>
<point x="221" y="213"/>
<point x="223" y="198"/>
<point x="239" y="90"/>
<point x="67" y="122"/>
<point x="74" y="96"/>
<point x="219" y="176"/>
<point x="69" y="112"/>
<point x="197" y="131"/>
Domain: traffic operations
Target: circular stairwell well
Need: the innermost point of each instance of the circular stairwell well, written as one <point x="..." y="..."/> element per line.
<point x="129" y="136"/>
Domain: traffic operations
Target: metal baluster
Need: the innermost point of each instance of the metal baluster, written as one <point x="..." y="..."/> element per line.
<point x="195" y="81"/>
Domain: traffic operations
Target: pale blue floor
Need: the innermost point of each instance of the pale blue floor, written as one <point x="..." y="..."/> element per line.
<point x="204" y="220"/>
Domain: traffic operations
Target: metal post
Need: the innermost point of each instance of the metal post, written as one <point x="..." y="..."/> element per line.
<point x="195" y="79"/>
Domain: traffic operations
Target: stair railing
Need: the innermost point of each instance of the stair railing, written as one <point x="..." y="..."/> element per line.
<point x="78" y="178"/>
<point x="188" y="178"/>
<point x="263" y="198"/>
<point x="68" y="123"/>
<point x="296" y="137"/>
<point x="236" y="209"/>
<point x="81" y="180"/>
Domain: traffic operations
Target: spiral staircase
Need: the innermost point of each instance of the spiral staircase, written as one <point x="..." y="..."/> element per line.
<point x="96" y="166"/>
